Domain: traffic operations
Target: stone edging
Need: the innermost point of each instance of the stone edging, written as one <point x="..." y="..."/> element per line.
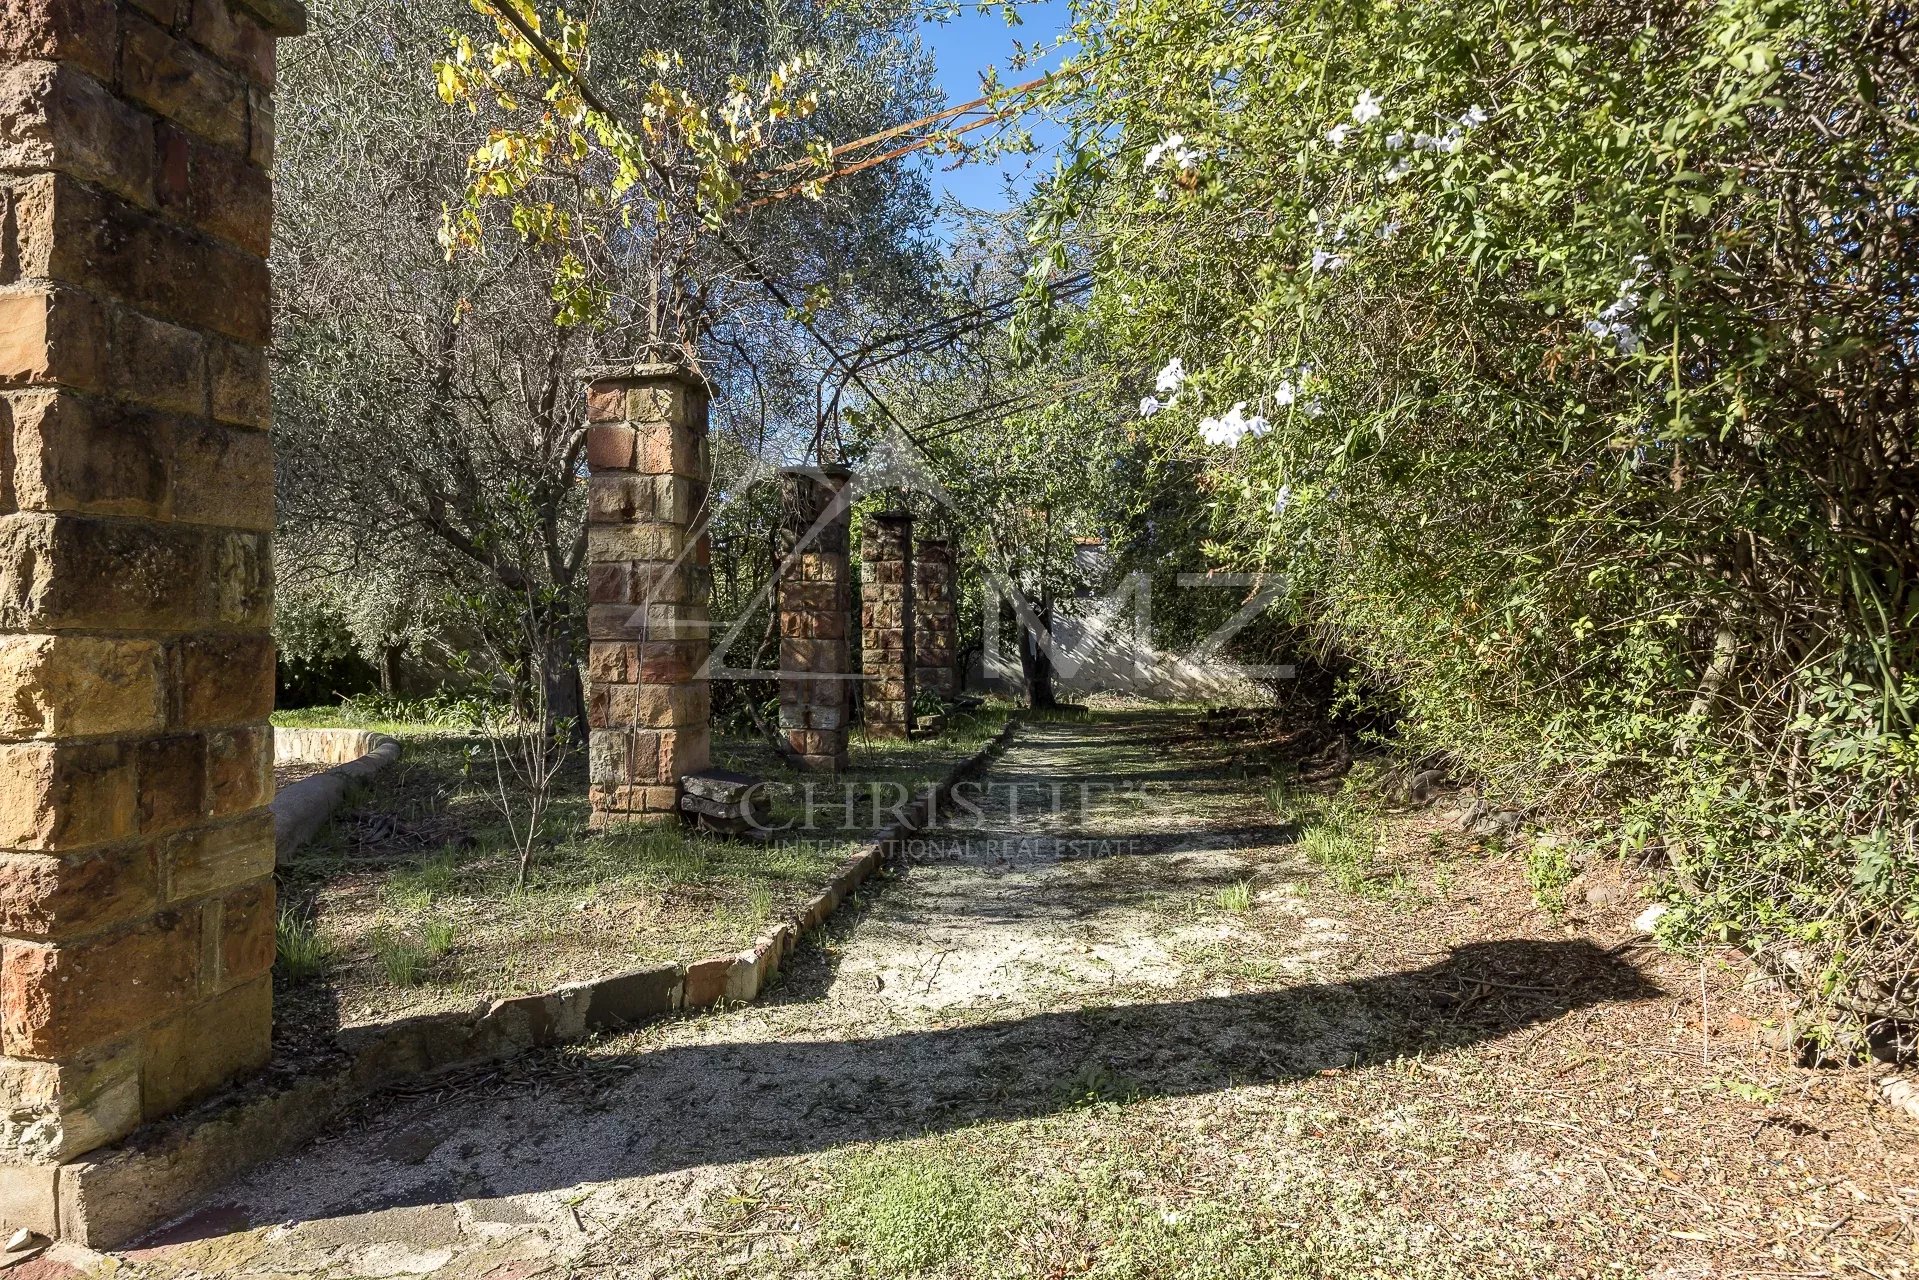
<point x="299" y="811"/>
<point x="120" y="1192"/>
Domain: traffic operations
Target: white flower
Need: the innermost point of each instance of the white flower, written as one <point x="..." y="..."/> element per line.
<point x="1396" y="140"/>
<point x="1283" y="499"/>
<point x="1171" y="377"/>
<point x="1231" y="429"/>
<point x="1149" y="406"/>
<point x="1337" y="135"/>
<point x="1367" y="109"/>
<point x="1285" y="393"/>
<point x="1425" y="142"/>
<point x="1398" y="169"/>
<point x="1328" y="261"/>
<point x="1258" y="425"/>
<point x="1474" y="117"/>
<point x="1451" y="143"/>
<point x="1314" y="408"/>
<point x="1173" y="145"/>
<point x="1626" y="338"/>
<point x="1388" y="230"/>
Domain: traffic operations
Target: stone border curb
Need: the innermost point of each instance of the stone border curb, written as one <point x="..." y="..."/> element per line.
<point x="299" y="811"/>
<point x="119" y="1193"/>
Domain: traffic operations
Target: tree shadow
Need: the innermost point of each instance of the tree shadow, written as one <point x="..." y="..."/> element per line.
<point x="679" y="1107"/>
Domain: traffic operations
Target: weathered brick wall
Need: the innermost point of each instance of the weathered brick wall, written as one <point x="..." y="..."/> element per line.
<point x="815" y="596"/>
<point x="886" y="621"/>
<point x="935" y="619"/>
<point x="648" y="583"/>
<point x="136" y="505"/>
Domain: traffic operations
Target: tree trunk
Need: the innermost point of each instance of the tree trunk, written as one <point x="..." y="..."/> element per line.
<point x="565" y="700"/>
<point x="390" y="655"/>
<point x="1035" y="663"/>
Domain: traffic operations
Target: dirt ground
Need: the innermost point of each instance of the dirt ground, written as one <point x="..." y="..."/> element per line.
<point x="1128" y="1020"/>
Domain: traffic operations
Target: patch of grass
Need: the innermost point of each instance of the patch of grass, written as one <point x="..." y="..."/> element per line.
<point x="912" y="1208"/>
<point x="417" y="888"/>
<point x="1237" y="896"/>
<point x="298" y="947"/>
<point x="409" y="960"/>
<point x="1549" y="870"/>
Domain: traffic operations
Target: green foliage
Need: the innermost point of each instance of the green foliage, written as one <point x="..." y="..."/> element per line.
<point x="298" y="947"/>
<point x="409" y="959"/>
<point x="1555" y="354"/>
<point x="915" y="1208"/>
<point x="1549" y="870"/>
<point x="1237" y="896"/>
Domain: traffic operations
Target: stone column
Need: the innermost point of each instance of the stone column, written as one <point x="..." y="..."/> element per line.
<point x="647" y="588"/>
<point x="136" y="587"/>
<point x="886" y="617"/>
<point x="935" y="619"/>
<point x="816" y="606"/>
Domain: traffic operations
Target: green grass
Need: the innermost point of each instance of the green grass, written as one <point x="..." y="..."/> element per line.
<point x="1120" y="1193"/>
<point x="301" y="952"/>
<point x="441" y="857"/>
<point x="409" y="959"/>
<point x="1237" y="896"/>
<point x="907" y="1210"/>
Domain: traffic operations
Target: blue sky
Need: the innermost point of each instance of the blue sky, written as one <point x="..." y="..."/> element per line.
<point x="965" y="47"/>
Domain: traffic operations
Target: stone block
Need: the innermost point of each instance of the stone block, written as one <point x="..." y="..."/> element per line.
<point x="51" y="898"/>
<point x="239" y="770"/>
<point x="54" y="1110"/>
<point x="236" y="37"/>
<point x="57" y="1000"/>
<point x="211" y="860"/>
<point x="611" y="661"/>
<point x="238" y="388"/>
<point x="84" y="33"/>
<point x="669" y="450"/>
<point x="631" y="998"/>
<point x="54" y="335"/>
<point x="223" y="475"/>
<point x="705" y="983"/>
<point x="213" y="189"/>
<point x="611" y="447"/>
<point x="222" y="679"/>
<point x="60" y="118"/>
<point x="663" y="706"/>
<point x="672" y="661"/>
<point x="606" y="543"/>
<point x="158" y="364"/>
<point x="65" y="795"/>
<point x="79" y="686"/>
<point x="29" y="1197"/>
<point x="191" y="1054"/>
<point x="178" y="81"/>
<point x="247" y="939"/>
<point x="172" y="782"/>
<point x="73" y="455"/>
<point x="74" y="572"/>
<point x="240" y="584"/>
<point x="684" y="750"/>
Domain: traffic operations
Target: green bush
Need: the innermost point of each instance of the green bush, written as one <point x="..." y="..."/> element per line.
<point x="1556" y="353"/>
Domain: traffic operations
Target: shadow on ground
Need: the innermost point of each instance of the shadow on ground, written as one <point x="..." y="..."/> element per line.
<point x="597" y="1117"/>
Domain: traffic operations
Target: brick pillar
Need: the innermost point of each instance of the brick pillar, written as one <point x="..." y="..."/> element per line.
<point x="935" y="619"/>
<point x="816" y="607"/>
<point x="886" y="616"/>
<point x="647" y="588"/>
<point x="136" y="587"/>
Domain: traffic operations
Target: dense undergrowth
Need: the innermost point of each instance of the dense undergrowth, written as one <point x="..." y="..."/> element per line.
<point x="1561" y="357"/>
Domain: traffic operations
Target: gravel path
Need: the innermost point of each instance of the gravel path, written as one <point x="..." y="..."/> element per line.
<point x="1052" y="977"/>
